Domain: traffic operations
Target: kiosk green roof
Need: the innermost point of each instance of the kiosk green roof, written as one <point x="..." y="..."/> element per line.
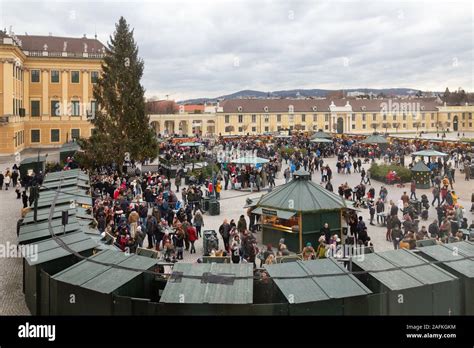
<point x="301" y="195"/>
<point x="315" y="280"/>
<point x="212" y="283"/>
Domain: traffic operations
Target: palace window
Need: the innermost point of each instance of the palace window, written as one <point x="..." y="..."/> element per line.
<point x="75" y="133"/>
<point x="35" y="76"/>
<point x="55" y="135"/>
<point x="94" y="76"/>
<point x="75" y="108"/>
<point x="74" y="76"/>
<point x="35" y="135"/>
<point x="54" y="76"/>
<point x="35" y="108"/>
<point x="55" y="108"/>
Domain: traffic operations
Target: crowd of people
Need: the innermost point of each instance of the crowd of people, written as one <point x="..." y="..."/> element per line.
<point x="156" y="210"/>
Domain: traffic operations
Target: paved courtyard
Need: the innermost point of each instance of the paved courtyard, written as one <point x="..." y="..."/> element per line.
<point x="232" y="202"/>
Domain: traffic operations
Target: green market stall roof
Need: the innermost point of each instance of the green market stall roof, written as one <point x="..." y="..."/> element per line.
<point x="375" y="139"/>
<point x="321" y="135"/>
<point x="429" y="153"/>
<point x="301" y="195"/>
<point x="90" y="274"/>
<point x="70" y="147"/>
<point x="420" y="166"/>
<point x="212" y="283"/>
<point x="251" y="202"/>
<point x="34" y="232"/>
<point x="43" y="214"/>
<point x="49" y="249"/>
<point x="66" y="174"/>
<point x="192" y="144"/>
<point x="459" y="261"/>
<point x="316" y="280"/>
<point x="34" y="159"/>
<point x="321" y="140"/>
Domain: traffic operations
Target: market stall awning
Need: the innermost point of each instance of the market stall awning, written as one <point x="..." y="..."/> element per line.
<point x="321" y="140"/>
<point x="429" y="153"/>
<point x="375" y="139"/>
<point x="282" y="214"/>
<point x="193" y="144"/>
<point x="420" y="167"/>
<point x="251" y="202"/>
<point x="321" y="135"/>
<point x="70" y="147"/>
<point x="250" y="160"/>
<point x="33" y="160"/>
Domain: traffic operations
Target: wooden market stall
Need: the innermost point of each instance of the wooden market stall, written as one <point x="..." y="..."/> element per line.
<point x="297" y="211"/>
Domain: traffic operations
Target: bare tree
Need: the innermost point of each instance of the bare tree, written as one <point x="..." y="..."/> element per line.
<point x="386" y="125"/>
<point x="396" y="125"/>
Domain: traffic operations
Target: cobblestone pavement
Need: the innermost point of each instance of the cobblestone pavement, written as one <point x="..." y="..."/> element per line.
<point x="12" y="301"/>
<point x="231" y="207"/>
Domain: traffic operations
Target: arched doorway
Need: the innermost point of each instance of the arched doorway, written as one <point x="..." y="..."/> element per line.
<point x="197" y="127"/>
<point x="183" y="127"/>
<point x="211" y="127"/>
<point x="156" y="126"/>
<point x="455" y="123"/>
<point x="340" y="125"/>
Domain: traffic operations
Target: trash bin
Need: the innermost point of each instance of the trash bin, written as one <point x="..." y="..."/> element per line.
<point x="210" y="241"/>
<point x="205" y="203"/>
<point x="416" y="205"/>
<point x="214" y="207"/>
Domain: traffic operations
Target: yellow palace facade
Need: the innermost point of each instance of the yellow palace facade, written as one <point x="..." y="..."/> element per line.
<point x="348" y="116"/>
<point x="46" y="87"/>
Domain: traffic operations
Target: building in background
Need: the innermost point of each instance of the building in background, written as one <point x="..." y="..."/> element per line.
<point x="357" y="116"/>
<point x="46" y="87"/>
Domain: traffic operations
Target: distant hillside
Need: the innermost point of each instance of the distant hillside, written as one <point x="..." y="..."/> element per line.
<point x="295" y="93"/>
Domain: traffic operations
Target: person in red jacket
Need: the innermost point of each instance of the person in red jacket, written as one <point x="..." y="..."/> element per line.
<point x="210" y="188"/>
<point x="192" y="236"/>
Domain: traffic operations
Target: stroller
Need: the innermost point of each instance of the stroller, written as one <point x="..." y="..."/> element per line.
<point x="424" y="201"/>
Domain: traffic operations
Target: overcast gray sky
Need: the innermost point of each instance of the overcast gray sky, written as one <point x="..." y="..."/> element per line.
<point x="205" y="48"/>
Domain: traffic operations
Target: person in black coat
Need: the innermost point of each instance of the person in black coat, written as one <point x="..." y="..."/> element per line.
<point x="326" y="232"/>
<point x="15" y="177"/>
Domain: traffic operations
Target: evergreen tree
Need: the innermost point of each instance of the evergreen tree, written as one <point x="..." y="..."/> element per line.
<point x="121" y="124"/>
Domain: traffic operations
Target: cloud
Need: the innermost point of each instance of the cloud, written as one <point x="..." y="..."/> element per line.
<point x="209" y="48"/>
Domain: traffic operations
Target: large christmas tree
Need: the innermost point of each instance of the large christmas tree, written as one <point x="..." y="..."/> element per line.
<point x="122" y="129"/>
